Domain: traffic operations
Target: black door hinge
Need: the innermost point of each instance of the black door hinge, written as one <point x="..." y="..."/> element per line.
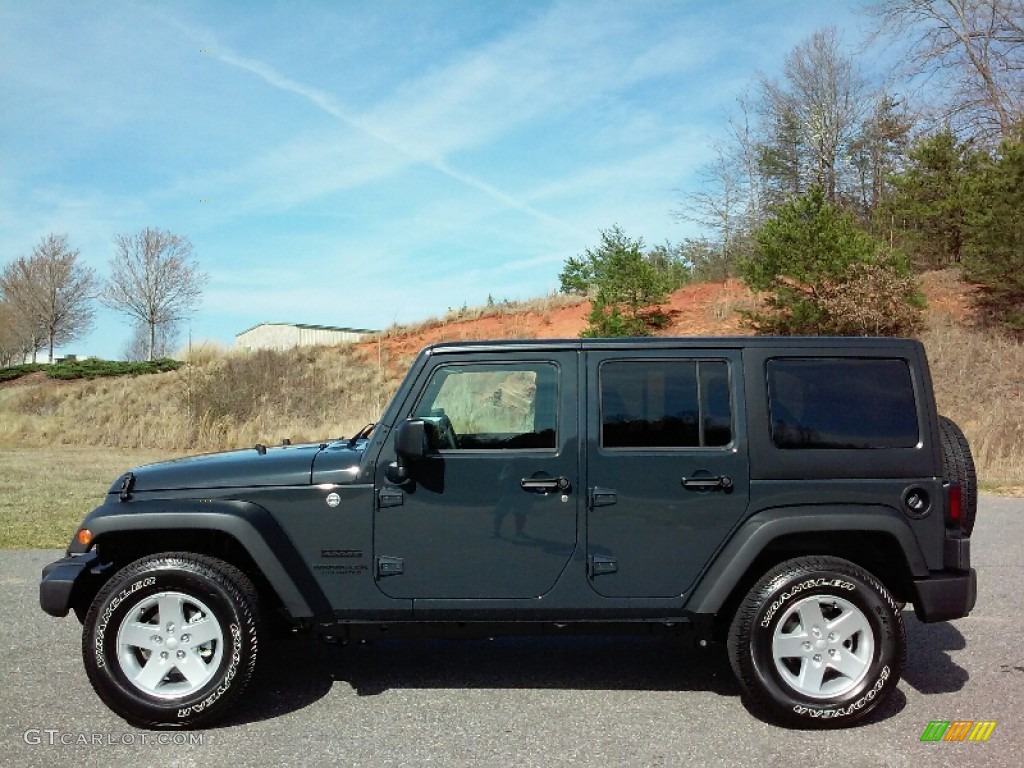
<point x="601" y="564"/>
<point x="390" y="566"/>
<point x="603" y="497"/>
<point x="390" y="497"/>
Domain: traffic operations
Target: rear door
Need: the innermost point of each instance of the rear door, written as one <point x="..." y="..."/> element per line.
<point x="667" y="468"/>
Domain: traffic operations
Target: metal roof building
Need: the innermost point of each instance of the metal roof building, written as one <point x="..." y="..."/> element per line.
<point x="288" y="335"/>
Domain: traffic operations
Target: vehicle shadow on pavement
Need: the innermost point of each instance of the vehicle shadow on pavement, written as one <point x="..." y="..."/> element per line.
<point x="930" y="669"/>
<point x="578" y="662"/>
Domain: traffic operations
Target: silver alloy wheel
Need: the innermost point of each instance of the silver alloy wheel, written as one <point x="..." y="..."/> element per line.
<point x="170" y="645"/>
<point x="823" y="646"/>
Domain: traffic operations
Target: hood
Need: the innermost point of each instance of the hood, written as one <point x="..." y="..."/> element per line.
<point x="281" y="466"/>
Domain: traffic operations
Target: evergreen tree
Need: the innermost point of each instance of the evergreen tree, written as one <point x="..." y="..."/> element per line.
<point x="929" y="205"/>
<point x="823" y="274"/>
<point x="993" y="254"/>
<point x="623" y="284"/>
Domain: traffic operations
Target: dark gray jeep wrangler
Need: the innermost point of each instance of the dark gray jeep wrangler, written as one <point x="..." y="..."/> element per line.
<point x="785" y="496"/>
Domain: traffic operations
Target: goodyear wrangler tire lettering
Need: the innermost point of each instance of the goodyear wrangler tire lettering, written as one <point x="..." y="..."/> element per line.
<point x="236" y="657"/>
<point x="839" y="583"/>
<point x="121" y="597"/>
<point x="170" y="641"/>
<point x="857" y="705"/>
<point x="817" y="642"/>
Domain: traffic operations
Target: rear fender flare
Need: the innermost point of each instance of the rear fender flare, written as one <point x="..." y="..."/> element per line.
<point x="759" y="531"/>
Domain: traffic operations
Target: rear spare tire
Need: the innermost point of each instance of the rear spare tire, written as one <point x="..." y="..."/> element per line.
<point x="958" y="467"/>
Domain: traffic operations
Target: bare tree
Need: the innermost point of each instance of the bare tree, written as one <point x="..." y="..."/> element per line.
<point x="728" y="201"/>
<point x="154" y="280"/>
<point x="811" y="117"/>
<point x="165" y="341"/>
<point x="13" y="345"/>
<point x="879" y="151"/>
<point x="20" y="339"/>
<point x="51" y="292"/>
<point x="720" y="204"/>
<point x="745" y="157"/>
<point x="971" y="49"/>
<point x="822" y="124"/>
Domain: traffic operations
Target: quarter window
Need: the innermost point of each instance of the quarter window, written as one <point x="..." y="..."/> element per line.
<point x="842" y="403"/>
<point x="487" y="407"/>
<point x="665" y="404"/>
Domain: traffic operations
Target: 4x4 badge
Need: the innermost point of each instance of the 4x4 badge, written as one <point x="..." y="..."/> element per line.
<point x="333" y="500"/>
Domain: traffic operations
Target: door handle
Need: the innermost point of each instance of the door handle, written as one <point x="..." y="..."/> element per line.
<point x="721" y="483"/>
<point x="546" y="484"/>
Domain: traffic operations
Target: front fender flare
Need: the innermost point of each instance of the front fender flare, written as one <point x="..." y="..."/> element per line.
<point x="252" y="526"/>
<point x="766" y="526"/>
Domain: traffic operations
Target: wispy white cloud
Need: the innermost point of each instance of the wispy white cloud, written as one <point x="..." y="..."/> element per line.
<point x="472" y="146"/>
<point x="536" y="72"/>
<point x="326" y="103"/>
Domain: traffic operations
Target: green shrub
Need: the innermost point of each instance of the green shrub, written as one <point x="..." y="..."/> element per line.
<point x="821" y="274"/>
<point x="91" y="368"/>
<point x="17" y="371"/>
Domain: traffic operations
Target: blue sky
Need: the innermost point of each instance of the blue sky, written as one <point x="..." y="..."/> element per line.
<point x="365" y="163"/>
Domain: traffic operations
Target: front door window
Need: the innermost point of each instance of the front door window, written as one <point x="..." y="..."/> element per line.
<point x="491" y="407"/>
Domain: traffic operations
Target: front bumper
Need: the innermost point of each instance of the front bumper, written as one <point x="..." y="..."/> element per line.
<point x="946" y="595"/>
<point x="63" y="579"/>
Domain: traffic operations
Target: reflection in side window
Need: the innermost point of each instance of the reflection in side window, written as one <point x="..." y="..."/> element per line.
<point x="486" y="407"/>
<point x="665" y="404"/>
<point x="841" y="403"/>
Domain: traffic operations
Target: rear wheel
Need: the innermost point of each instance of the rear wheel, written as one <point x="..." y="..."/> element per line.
<point x="958" y="467"/>
<point x="170" y="641"/>
<point x="817" y="642"/>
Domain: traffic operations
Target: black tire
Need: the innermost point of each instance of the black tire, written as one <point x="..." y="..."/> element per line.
<point x="958" y="467"/>
<point x="834" y="677"/>
<point x="194" y="617"/>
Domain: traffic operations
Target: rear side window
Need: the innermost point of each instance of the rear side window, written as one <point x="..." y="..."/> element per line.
<point x="665" y="404"/>
<point x="842" y="403"/>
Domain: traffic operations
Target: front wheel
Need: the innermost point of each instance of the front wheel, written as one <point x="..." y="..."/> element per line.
<point x="817" y="642"/>
<point x="170" y="641"/>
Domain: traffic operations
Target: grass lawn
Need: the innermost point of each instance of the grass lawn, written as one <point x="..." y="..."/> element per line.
<point x="45" y="492"/>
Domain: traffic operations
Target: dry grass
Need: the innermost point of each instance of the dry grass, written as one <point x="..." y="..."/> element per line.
<point x="45" y="492"/>
<point x="202" y="352"/>
<point x="229" y="400"/>
<point x="979" y="383"/>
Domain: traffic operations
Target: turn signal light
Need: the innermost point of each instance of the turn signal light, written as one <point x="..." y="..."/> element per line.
<point x="84" y="537"/>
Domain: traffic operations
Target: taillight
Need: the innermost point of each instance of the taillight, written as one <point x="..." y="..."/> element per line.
<point x="954" y="507"/>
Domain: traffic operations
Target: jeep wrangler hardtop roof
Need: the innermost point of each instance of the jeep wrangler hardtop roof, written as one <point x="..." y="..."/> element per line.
<point x="839" y="343"/>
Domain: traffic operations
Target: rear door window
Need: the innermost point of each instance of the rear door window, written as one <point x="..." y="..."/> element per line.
<point x="665" y="404"/>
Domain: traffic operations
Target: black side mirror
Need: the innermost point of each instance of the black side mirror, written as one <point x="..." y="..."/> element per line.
<point x="410" y="439"/>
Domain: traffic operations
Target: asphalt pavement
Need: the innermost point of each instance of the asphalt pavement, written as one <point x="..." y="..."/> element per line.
<point x="591" y="701"/>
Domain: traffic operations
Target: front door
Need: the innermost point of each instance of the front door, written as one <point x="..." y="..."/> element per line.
<point x="666" y="470"/>
<point x="490" y="511"/>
